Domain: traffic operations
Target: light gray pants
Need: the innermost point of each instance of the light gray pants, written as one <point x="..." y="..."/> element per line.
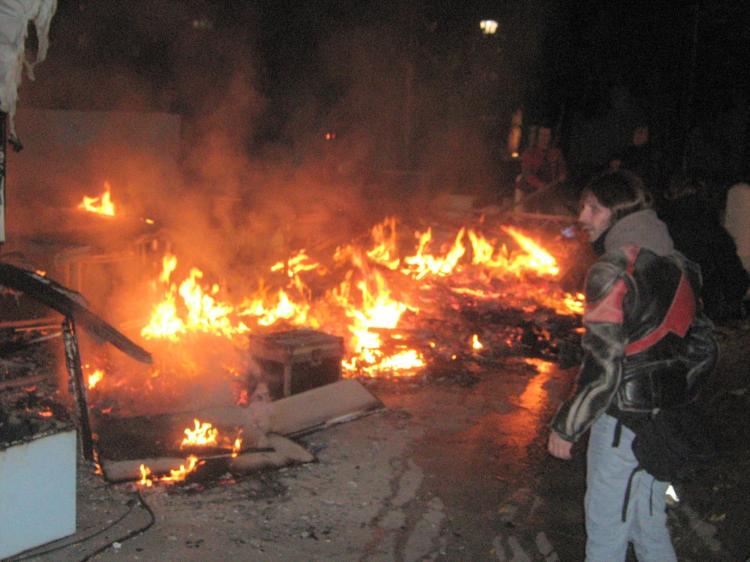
<point x="607" y="473"/>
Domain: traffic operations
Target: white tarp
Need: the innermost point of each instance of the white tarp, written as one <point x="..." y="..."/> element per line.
<point x="15" y="16"/>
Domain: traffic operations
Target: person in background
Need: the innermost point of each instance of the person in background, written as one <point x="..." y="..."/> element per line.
<point x="638" y="158"/>
<point x="698" y="233"/>
<point x="542" y="167"/>
<point x="645" y="339"/>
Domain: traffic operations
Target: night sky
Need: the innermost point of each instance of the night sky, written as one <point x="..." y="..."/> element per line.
<point x="413" y="70"/>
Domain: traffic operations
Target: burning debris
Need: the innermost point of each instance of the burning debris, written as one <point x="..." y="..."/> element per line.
<point x="369" y="295"/>
<point x="371" y="311"/>
<point x="238" y="440"/>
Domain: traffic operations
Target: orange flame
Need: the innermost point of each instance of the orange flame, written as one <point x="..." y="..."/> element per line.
<point x="385" y="252"/>
<point x="297" y="264"/>
<point x="422" y="263"/>
<point x="200" y="311"/>
<point x="175" y="475"/>
<point x="178" y="474"/>
<point x="539" y="259"/>
<point x="237" y="445"/>
<point x="147" y="479"/>
<point x="202" y="434"/>
<point x="377" y="310"/>
<point x="475" y="343"/>
<point x="101" y="205"/>
<point x="270" y="310"/>
<point x="94" y="378"/>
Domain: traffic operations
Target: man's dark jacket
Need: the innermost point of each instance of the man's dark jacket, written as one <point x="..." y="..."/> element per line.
<point x="647" y="342"/>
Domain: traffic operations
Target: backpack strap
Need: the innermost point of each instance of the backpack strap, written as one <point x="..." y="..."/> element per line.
<point x="617" y="434"/>
<point x="627" y="493"/>
<point x="651" y="498"/>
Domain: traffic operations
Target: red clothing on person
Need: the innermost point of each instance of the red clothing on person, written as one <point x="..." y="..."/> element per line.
<point x="541" y="167"/>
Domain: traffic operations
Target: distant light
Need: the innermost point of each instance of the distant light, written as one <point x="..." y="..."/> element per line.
<point x="202" y="23"/>
<point x="488" y="27"/>
<point x="329" y="136"/>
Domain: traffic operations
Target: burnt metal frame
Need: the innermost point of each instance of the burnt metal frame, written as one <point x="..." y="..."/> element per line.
<point x="77" y="387"/>
<point x="70" y="305"/>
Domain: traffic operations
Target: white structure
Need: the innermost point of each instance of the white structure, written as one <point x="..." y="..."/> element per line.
<point x="37" y="492"/>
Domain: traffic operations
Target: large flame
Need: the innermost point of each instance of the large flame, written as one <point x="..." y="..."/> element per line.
<point x="365" y="306"/>
<point x="197" y="309"/>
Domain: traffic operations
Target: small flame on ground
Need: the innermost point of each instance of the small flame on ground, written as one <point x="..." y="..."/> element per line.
<point x="175" y="475"/>
<point x="178" y="474"/>
<point x="147" y="479"/>
<point x="237" y="445"/>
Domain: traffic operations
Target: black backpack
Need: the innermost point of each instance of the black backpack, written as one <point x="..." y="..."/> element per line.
<point x="673" y="443"/>
<point x="670" y="444"/>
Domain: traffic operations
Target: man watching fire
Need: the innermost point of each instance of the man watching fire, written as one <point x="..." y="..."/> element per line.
<point x="646" y="339"/>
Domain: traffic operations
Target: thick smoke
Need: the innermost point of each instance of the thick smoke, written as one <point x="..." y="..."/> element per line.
<point x="243" y="147"/>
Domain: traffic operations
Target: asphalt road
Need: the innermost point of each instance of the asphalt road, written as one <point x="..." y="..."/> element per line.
<point x="452" y="469"/>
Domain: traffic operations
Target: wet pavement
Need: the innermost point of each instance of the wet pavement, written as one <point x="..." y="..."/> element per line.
<point x="450" y="470"/>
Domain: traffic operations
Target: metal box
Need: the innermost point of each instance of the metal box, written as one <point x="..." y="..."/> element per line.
<point x="297" y="360"/>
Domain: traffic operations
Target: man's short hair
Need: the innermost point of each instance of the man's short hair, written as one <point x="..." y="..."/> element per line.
<point x="621" y="191"/>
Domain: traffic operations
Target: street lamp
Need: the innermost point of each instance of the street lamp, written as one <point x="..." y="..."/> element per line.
<point x="488" y="27"/>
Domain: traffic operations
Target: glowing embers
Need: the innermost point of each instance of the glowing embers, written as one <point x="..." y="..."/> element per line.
<point x="100" y="205"/>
